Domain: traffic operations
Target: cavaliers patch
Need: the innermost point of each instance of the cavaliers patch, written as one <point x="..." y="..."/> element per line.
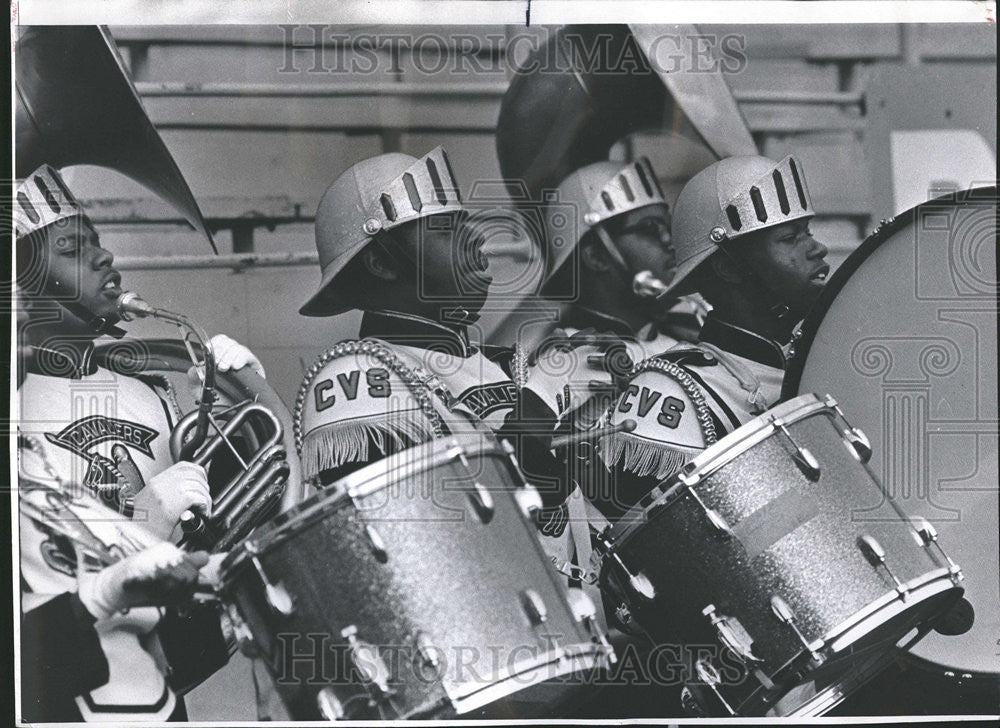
<point x="484" y="401"/>
<point x="82" y="436"/>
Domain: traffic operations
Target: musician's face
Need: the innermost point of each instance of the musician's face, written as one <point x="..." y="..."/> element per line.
<point x="642" y="236"/>
<point x="452" y="270"/>
<point x="76" y="268"/>
<point x="791" y="263"/>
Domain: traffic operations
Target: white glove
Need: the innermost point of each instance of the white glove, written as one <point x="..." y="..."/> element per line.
<point x="210" y="572"/>
<point x="231" y="354"/>
<point x="181" y="487"/>
<point x="157" y="576"/>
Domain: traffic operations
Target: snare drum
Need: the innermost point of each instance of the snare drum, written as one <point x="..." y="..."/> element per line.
<point x="750" y="559"/>
<point x="414" y="587"/>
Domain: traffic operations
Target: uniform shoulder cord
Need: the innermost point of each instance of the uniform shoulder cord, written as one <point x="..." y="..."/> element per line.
<point x="747" y="380"/>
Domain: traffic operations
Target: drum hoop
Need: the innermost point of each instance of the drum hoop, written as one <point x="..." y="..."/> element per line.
<point x="359" y="484"/>
<point x="716" y="456"/>
<point x="888" y="228"/>
<point x="919" y="590"/>
<point x="832" y="695"/>
<point x="573" y="658"/>
<point x="926" y="586"/>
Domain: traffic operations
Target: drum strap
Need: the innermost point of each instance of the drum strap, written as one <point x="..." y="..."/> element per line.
<point x="579" y="530"/>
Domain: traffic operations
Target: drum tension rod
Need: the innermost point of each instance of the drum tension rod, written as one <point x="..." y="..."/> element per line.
<point x="714" y="517"/>
<point x="368" y="662"/>
<point x="710" y="676"/>
<point x="379" y="550"/>
<point x="875" y="554"/>
<point x="482" y="501"/>
<point x="855" y="437"/>
<point x="277" y="596"/>
<point x="928" y="535"/>
<point x="784" y="612"/>
<point x="638" y="582"/>
<point x="804" y="459"/>
<point x="426" y="650"/>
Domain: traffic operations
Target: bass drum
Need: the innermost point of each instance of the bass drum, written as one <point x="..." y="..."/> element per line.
<point x="905" y="336"/>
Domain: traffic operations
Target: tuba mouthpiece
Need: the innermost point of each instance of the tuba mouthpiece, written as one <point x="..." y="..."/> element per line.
<point x="131" y="306"/>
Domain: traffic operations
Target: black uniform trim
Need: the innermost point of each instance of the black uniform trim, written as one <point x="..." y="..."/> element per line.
<point x="581" y="317"/>
<point x="61" y="657"/>
<point x="741" y="342"/>
<point x="406" y="329"/>
<point x="71" y="360"/>
<point x="115" y="708"/>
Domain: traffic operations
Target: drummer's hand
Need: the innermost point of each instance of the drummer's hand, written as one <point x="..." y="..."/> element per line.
<point x="231" y="354"/>
<point x="181" y="487"/>
<point x="160" y="575"/>
<point x="210" y="572"/>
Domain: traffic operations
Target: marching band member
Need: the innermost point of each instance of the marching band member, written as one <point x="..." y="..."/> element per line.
<point x="392" y="244"/>
<point x="620" y="230"/>
<point x="741" y="230"/>
<point x="102" y="434"/>
<point x="81" y="616"/>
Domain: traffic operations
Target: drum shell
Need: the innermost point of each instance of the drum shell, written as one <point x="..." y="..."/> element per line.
<point x="792" y="537"/>
<point x="446" y="575"/>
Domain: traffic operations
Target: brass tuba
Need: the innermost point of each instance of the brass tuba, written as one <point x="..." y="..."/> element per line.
<point x="77" y="105"/>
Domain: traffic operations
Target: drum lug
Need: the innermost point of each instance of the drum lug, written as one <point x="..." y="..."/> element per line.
<point x="785" y="614"/>
<point x="534" y="607"/>
<point x="928" y="537"/>
<point x="581" y="604"/>
<point x="855" y="437"/>
<point x="426" y="650"/>
<point x="715" y="518"/>
<point x="875" y="555"/>
<point x="528" y="500"/>
<point x="277" y="595"/>
<point x="329" y="705"/>
<point x="482" y="502"/>
<point x="732" y="635"/>
<point x="367" y="661"/>
<point x="641" y="585"/>
<point x="804" y="459"/>
<point x="379" y="550"/>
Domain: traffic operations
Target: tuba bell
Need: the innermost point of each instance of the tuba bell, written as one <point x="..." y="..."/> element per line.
<point x="75" y="104"/>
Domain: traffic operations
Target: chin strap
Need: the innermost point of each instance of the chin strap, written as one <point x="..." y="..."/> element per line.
<point x="779" y="309"/>
<point x="98" y="324"/>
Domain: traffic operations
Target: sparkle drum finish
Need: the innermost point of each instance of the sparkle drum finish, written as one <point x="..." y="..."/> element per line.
<point x="751" y="559"/>
<point x="414" y="587"/>
<point x="905" y="334"/>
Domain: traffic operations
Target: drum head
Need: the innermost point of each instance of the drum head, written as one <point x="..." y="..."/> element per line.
<point x="905" y="338"/>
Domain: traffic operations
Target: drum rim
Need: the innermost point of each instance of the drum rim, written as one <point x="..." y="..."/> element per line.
<point x="576" y="657"/>
<point x="831" y="291"/>
<point x="714" y="457"/>
<point x="834" y="694"/>
<point x="928" y="585"/>
<point x="359" y="484"/>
